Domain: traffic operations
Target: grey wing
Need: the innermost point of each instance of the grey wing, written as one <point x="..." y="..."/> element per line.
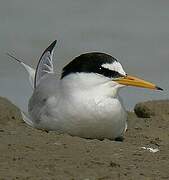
<point x="47" y="88"/>
<point x="45" y="64"/>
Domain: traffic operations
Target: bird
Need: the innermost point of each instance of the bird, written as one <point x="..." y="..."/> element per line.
<point x="84" y="101"/>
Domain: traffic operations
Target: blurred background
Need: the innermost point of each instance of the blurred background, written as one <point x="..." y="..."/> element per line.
<point x="135" y="32"/>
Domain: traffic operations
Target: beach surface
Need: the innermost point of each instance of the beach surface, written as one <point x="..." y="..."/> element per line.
<point x="27" y="153"/>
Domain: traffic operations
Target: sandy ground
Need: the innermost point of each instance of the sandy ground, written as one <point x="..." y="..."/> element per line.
<point x="27" y="153"/>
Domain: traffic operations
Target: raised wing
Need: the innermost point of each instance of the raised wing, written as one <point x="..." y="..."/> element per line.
<point x="45" y="64"/>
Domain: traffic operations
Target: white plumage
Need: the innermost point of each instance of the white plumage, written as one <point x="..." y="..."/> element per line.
<point x="85" y="101"/>
<point x="78" y="107"/>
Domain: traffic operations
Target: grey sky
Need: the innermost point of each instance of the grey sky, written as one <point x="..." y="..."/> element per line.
<point x="135" y="32"/>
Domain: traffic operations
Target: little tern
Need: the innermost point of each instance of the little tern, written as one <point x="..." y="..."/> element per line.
<point x="84" y="101"/>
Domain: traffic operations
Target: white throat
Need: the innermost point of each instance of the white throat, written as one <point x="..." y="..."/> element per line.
<point x="91" y="84"/>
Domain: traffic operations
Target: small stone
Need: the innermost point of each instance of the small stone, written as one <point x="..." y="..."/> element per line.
<point x="113" y="164"/>
<point x="142" y="111"/>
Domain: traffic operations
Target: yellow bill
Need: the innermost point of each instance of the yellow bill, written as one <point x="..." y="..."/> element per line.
<point x="134" y="81"/>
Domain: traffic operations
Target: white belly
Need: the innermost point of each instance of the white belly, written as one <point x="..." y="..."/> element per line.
<point x="98" y="118"/>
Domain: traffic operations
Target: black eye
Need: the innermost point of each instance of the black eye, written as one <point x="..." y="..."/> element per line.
<point x="109" y="73"/>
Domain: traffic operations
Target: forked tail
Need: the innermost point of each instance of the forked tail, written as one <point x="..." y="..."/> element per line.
<point x="44" y="67"/>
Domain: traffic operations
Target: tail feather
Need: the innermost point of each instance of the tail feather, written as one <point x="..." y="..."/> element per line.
<point x="30" y="70"/>
<point x="44" y="67"/>
<point x="27" y="119"/>
<point x="31" y="73"/>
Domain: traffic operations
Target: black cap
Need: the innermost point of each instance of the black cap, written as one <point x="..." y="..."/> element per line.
<point x="91" y="63"/>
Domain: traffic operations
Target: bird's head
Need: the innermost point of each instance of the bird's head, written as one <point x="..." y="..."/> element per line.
<point x="101" y="70"/>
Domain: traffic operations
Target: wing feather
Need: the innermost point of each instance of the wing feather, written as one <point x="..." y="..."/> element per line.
<point x="45" y="64"/>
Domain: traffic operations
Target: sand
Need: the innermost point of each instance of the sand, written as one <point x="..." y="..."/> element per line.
<point x="27" y="153"/>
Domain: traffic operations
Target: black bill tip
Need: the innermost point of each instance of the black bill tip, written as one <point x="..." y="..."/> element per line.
<point x="158" y="88"/>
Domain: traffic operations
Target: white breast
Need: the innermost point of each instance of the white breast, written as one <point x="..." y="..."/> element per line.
<point x="73" y="109"/>
<point x="85" y="117"/>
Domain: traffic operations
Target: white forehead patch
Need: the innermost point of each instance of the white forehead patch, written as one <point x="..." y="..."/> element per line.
<point x="115" y="66"/>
